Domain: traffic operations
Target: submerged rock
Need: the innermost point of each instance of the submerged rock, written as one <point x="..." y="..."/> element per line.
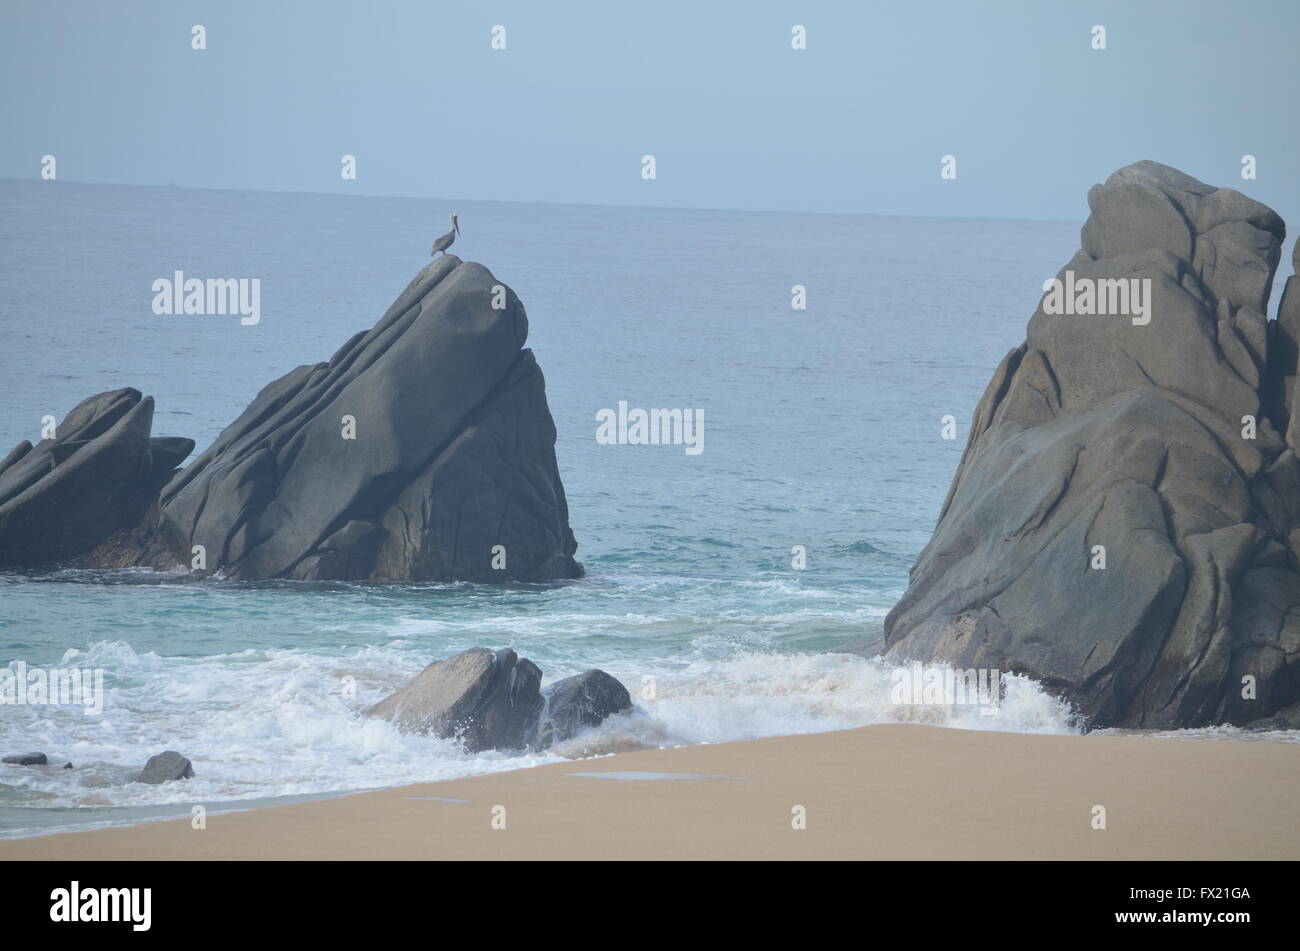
<point x="491" y="700"/>
<point x="166" y="767"/>
<point x="422" y="451"/>
<point x="1153" y="449"/>
<point x="578" y="703"/>
<point x="99" y="476"/>
<point x="27" y="759"/>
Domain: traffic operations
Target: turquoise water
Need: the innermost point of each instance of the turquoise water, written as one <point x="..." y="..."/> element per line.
<point x="822" y="429"/>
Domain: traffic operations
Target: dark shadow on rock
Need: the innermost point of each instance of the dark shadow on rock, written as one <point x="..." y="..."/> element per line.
<point x="492" y="700"/>
<point x="1101" y="433"/>
<point x="423" y="450"/>
<point x="98" y="477"/>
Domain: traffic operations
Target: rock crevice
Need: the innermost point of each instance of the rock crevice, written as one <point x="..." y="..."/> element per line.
<point x="423" y="450"/>
<point x="419" y="448"/>
<point x="90" y="483"/>
<point x="1169" y="447"/>
<point x="493" y="700"/>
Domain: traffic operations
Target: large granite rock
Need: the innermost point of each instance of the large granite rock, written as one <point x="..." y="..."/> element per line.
<point x="1099" y="431"/>
<point x="453" y="455"/>
<point x="491" y="700"/>
<point x="99" y="476"/>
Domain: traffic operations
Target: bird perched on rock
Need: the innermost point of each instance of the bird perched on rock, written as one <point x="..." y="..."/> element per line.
<point x="446" y="241"/>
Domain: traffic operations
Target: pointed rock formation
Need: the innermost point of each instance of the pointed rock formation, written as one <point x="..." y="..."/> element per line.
<point x="422" y="451"/>
<point x="1152" y="448"/>
<point x="98" y="477"/>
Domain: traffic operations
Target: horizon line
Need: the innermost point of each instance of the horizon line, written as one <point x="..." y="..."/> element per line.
<point x="560" y="204"/>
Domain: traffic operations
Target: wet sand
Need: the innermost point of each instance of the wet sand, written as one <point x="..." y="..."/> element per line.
<point x="879" y="792"/>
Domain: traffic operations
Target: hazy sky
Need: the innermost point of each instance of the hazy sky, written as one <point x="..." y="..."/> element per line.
<point x="857" y="122"/>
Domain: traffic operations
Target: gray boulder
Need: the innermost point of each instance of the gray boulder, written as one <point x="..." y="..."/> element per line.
<point x="489" y="700"/>
<point x="578" y="703"/>
<point x="99" y="477"/>
<point x="453" y="455"/>
<point x="26" y="759"/>
<point x="166" y="767"/>
<point x="1098" y="433"/>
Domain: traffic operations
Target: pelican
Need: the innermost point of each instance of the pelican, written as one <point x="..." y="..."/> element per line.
<point x="448" y="239"/>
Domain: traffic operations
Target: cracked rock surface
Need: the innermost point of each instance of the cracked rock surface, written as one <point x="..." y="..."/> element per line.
<point x="492" y="700"/>
<point x="1099" y="432"/>
<point x="422" y="445"/>
<point x="93" y="481"/>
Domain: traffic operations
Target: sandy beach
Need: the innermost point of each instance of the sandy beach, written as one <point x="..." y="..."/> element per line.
<point x="879" y="792"/>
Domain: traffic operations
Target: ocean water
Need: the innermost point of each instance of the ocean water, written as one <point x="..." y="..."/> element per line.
<point x="822" y="429"/>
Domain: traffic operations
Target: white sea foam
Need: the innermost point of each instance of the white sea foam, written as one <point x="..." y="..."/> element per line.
<point x="272" y="723"/>
<point x="766" y="694"/>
